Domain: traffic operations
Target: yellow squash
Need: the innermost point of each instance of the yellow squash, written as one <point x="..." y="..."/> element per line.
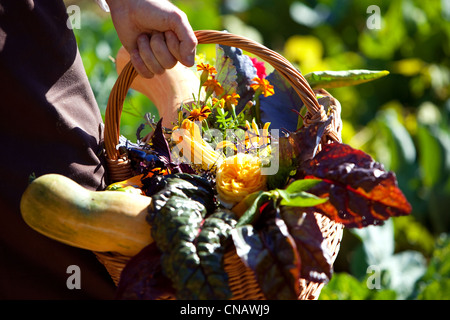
<point x="104" y="221"/>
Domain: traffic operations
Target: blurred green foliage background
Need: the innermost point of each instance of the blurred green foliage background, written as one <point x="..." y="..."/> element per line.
<point x="402" y="120"/>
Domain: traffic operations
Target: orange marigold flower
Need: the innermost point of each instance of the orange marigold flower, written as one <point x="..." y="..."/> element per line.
<point x="206" y="67"/>
<point x="231" y="99"/>
<point x="199" y="114"/>
<point x="263" y="86"/>
<point x="212" y="85"/>
<point x="207" y="70"/>
<point x="220" y="103"/>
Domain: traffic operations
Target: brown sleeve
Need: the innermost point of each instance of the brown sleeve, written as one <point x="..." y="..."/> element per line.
<point x="49" y="123"/>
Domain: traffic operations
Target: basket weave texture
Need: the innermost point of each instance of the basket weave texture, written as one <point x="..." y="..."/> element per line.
<point x="241" y="279"/>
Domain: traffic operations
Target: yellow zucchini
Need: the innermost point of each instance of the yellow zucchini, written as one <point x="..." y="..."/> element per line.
<point x="103" y="221"/>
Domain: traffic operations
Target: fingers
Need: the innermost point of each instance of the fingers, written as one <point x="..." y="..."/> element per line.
<point x="180" y="50"/>
<point x="181" y="40"/>
<point x="152" y="55"/>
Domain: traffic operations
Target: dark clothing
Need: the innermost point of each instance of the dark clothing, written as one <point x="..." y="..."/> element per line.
<point x="49" y="123"/>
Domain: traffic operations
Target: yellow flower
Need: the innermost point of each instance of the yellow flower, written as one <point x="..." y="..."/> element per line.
<point x="206" y="67"/>
<point x="263" y="86"/>
<point x="194" y="149"/>
<point x="198" y="114"/>
<point x="238" y="176"/>
<point x="255" y="137"/>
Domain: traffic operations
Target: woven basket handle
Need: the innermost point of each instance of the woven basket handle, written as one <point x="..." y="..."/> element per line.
<point x="278" y="62"/>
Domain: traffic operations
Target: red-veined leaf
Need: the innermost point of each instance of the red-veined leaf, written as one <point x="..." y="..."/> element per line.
<point x="360" y="191"/>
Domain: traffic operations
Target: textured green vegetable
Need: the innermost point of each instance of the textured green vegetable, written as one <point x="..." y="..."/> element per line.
<point x="192" y="238"/>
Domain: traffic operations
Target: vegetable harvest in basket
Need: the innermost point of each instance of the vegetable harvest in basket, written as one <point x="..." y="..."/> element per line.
<point x="234" y="171"/>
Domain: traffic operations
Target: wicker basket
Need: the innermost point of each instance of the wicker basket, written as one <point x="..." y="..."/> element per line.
<point x="241" y="279"/>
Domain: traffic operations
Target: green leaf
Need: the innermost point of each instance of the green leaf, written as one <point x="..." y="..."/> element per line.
<point x="335" y="79"/>
<point x="401" y="145"/>
<point x="344" y="286"/>
<point x="437" y="290"/>
<point x="410" y="234"/>
<point x="301" y="185"/>
<point x="295" y="196"/>
<point x="300" y="199"/>
<point x="252" y="213"/>
<point x="435" y="284"/>
<point x="434" y="159"/>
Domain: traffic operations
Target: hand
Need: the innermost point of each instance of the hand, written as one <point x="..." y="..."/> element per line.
<point x="155" y="33"/>
<point x="167" y="91"/>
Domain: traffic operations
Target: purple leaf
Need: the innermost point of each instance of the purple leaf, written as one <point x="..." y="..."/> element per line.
<point x="313" y="248"/>
<point x="142" y="277"/>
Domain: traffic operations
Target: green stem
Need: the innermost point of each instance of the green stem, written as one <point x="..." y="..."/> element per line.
<point x="233" y="112"/>
<point x="257" y="111"/>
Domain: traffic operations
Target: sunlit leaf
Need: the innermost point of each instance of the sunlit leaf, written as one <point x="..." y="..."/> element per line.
<point x="235" y="72"/>
<point x="300" y="199"/>
<point x="226" y="71"/>
<point x="335" y="79"/>
<point x="359" y="189"/>
<point x="253" y="212"/>
<point x="402" y="270"/>
<point x="301" y="185"/>
<point x="344" y="286"/>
